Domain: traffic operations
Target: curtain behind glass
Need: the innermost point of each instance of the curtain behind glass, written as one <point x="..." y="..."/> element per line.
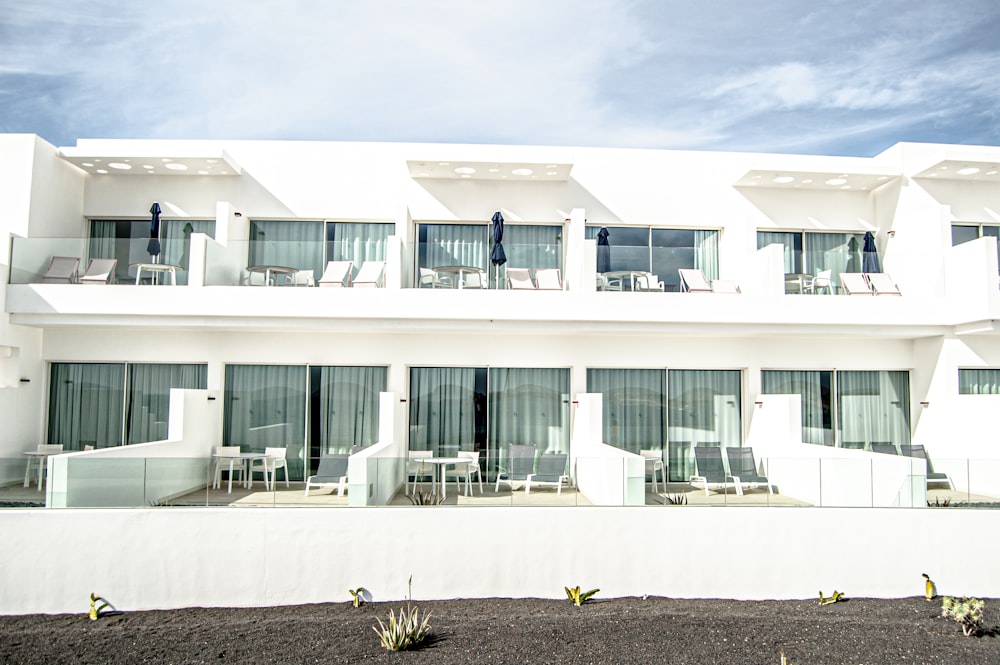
<point x="443" y="409"/>
<point x="528" y="406"/>
<point x="291" y="244"/>
<point x="979" y="382"/>
<point x="793" y="259"/>
<point x="813" y="387"/>
<point x="175" y="243"/>
<point x="839" y="252"/>
<point x="357" y="242"/>
<point x="349" y="407"/>
<point x="873" y="407"/>
<point x="634" y="407"/>
<point x="706" y="253"/>
<point x="530" y="247"/>
<point x="85" y="404"/>
<point x="704" y="410"/>
<point x="265" y="405"/>
<point x="148" y="404"/>
<point x="102" y="240"/>
<point x="455" y="245"/>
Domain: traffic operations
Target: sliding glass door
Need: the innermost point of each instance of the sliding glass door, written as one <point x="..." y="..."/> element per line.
<point x="704" y="409"/>
<point x="815" y="389"/>
<point x="661" y="252"/>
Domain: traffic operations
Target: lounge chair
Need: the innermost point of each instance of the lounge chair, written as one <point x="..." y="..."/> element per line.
<point x="724" y="286"/>
<point x="884" y="448"/>
<point x="693" y="280"/>
<point x="742" y="466"/>
<point x="371" y="275"/>
<point x="654" y="463"/>
<point x="548" y="279"/>
<point x="332" y="472"/>
<point x="882" y="284"/>
<point x="520" y="278"/>
<point x="337" y="273"/>
<point x="63" y="269"/>
<point x="551" y="472"/>
<point x="712" y="471"/>
<point x="855" y="284"/>
<point x="520" y="464"/>
<point x="100" y="271"/>
<point x="918" y="452"/>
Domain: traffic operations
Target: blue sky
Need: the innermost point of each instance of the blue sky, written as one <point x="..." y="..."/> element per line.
<point x="795" y="76"/>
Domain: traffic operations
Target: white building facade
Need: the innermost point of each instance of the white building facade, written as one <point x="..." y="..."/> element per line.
<point x="621" y="358"/>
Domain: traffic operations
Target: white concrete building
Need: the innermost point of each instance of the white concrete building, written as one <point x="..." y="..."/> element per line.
<point x="442" y="355"/>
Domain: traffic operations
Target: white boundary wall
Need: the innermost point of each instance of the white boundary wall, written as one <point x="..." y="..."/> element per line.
<point x="179" y="557"/>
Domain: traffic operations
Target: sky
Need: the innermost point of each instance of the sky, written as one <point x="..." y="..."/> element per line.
<point x="838" y="77"/>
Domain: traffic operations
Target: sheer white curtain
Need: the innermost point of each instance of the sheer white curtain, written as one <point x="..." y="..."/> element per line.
<point x="291" y="244"/>
<point x="443" y="409"/>
<point x="979" y="381"/>
<point x="635" y="416"/>
<point x="706" y="253"/>
<point x="839" y="252"/>
<point x="873" y="407"/>
<point x="148" y="410"/>
<point x="265" y="405"/>
<point x="176" y="242"/>
<point x="703" y="410"/>
<point x="357" y="242"/>
<point x="528" y="406"/>
<point x="789" y="241"/>
<point x="455" y="244"/>
<point x="348" y="406"/>
<point x="531" y="246"/>
<point x="813" y="387"/>
<point x="86" y="402"/>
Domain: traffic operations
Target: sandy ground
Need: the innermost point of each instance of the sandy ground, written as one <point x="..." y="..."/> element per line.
<point x="498" y="631"/>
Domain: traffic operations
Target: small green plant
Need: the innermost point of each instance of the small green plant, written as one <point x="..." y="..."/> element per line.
<point x="945" y="503"/>
<point x="578" y="598"/>
<point x="677" y="499"/>
<point x="405" y="631"/>
<point x="968" y="612"/>
<point x="98" y="605"/>
<point x="836" y="597"/>
<point x="358" y="595"/>
<point x="422" y="498"/>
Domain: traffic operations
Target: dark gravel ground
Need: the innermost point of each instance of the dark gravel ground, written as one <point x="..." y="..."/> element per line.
<point x="627" y="630"/>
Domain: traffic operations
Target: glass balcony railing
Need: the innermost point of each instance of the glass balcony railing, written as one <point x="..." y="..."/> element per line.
<point x="81" y="481"/>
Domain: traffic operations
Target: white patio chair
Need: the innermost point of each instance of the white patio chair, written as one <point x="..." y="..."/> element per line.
<point x="100" y="271"/>
<point x="649" y="282"/>
<point x="473" y="280"/>
<point x="63" y="269"/>
<point x="432" y="280"/>
<point x="337" y="273"/>
<point x="520" y="278"/>
<point x="654" y="463"/>
<point x="371" y="275"/>
<point x="605" y="283"/>
<point x="39" y="463"/>
<point x="301" y="278"/>
<point x="467" y="471"/>
<point x="855" y="284"/>
<point x="693" y="280"/>
<point x="724" y="286"/>
<point x="823" y="280"/>
<point x="416" y="469"/>
<point x="276" y="459"/>
<point x="548" y="279"/>
<point x="227" y="458"/>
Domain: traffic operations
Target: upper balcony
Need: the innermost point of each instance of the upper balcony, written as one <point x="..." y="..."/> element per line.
<point x="429" y="286"/>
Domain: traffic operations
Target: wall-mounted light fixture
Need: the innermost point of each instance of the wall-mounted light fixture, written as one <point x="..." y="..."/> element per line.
<point x="25" y="380"/>
<point x="925" y="404"/>
<point x="211" y="398"/>
<point x="892" y="233"/>
<point x="758" y="404"/>
<point x="238" y="213"/>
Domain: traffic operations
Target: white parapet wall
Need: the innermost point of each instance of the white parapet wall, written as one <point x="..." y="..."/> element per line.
<point x="187" y="557"/>
<point x="375" y="473"/>
<point x="605" y="475"/>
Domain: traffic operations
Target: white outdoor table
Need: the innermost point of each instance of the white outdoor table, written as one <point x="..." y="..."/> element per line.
<point x="248" y="459"/>
<point x="441" y="463"/>
<point x="155" y="269"/>
<point x="31" y="454"/>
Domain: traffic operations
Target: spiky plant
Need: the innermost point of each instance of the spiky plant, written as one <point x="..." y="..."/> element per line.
<point x="97" y="605"/>
<point x="968" y="612"/>
<point x="358" y="596"/>
<point x="836" y="597"/>
<point x="578" y="598"/>
<point x="405" y="631"/>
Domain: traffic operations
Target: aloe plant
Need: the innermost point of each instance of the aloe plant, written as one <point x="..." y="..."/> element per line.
<point x="358" y="595"/>
<point x="97" y="605"/>
<point x="405" y="631"/>
<point x="578" y="598"/>
<point x="836" y="597"/>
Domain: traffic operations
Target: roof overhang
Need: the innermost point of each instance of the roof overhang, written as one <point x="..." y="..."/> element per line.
<point x="843" y="180"/>
<point x="132" y="161"/>
<point x="957" y="168"/>
<point x="459" y="169"/>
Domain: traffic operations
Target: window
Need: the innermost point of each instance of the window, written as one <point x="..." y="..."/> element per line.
<point x="525" y="246"/>
<point x="309" y="245"/>
<point x="128" y="241"/>
<point x="485" y="409"/>
<point x="89" y="403"/>
<point x="871" y="406"/>
<point x="265" y="405"/>
<point x="661" y="251"/>
<point x="811" y="253"/>
<point x="979" y="381"/>
<point x="964" y="232"/>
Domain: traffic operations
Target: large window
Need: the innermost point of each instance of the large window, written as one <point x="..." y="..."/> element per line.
<point x="979" y="381"/>
<point x="93" y="404"/>
<point x="964" y="232"/>
<point x="309" y="245"/>
<point x="661" y="251"/>
<point x="266" y="405"/>
<point x="812" y="253"/>
<point x="634" y="411"/>
<point x="870" y="407"/>
<point x="525" y="246"/>
<point x="128" y="242"/>
<point x="475" y="408"/>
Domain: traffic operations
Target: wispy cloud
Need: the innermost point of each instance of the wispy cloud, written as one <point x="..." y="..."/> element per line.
<point x="778" y="75"/>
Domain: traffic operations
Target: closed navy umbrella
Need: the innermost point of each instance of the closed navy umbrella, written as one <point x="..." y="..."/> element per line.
<point x="603" y="251"/>
<point x="497" y="256"/>
<point x="153" y="246"/>
<point x="869" y="255"/>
